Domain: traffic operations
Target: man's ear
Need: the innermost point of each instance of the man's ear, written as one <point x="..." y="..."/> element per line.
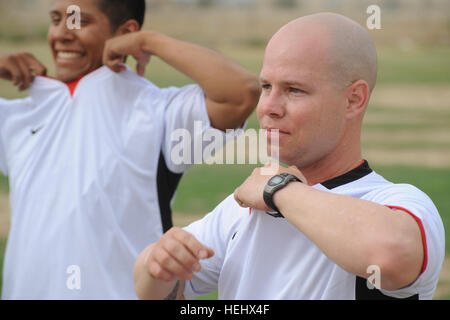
<point x="357" y="96"/>
<point x="129" y="26"/>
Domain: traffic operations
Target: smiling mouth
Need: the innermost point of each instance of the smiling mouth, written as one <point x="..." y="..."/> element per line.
<point x="69" y="55"/>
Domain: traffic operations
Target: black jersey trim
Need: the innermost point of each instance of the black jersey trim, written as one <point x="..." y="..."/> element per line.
<point x="360" y="171"/>
<point x="363" y="292"/>
<point x="167" y="183"/>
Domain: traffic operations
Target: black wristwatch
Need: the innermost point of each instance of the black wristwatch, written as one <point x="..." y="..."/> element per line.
<point x="273" y="185"/>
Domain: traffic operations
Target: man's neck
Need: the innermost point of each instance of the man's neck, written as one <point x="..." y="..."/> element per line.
<point x="340" y="161"/>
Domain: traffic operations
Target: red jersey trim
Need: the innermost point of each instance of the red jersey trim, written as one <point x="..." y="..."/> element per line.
<point x="72" y="85"/>
<point x="359" y="165"/>
<point x="422" y="232"/>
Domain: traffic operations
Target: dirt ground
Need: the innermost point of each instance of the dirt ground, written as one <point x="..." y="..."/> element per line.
<point x="4" y="216"/>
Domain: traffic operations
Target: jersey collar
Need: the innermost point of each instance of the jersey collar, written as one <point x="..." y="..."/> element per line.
<point x="41" y="84"/>
<point x="357" y="173"/>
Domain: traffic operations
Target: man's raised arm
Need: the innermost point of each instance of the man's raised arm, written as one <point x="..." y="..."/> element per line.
<point x="231" y="91"/>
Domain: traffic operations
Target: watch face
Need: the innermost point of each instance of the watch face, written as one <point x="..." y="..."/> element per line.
<point x="275" y="180"/>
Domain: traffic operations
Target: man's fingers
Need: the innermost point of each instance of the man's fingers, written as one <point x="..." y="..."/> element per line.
<point x="156" y="271"/>
<point x="111" y="59"/>
<point x="177" y="254"/>
<point x="37" y="68"/>
<point x="140" y="69"/>
<point x="27" y="76"/>
<point x="171" y="265"/>
<point x="239" y="201"/>
<point x="114" y="63"/>
<point x="21" y="69"/>
<point x="142" y="62"/>
<point x="238" y="198"/>
<point x="34" y="65"/>
<point x="7" y="72"/>
<point x="14" y="70"/>
<point x="180" y="253"/>
<point x="206" y="253"/>
<point x="190" y="242"/>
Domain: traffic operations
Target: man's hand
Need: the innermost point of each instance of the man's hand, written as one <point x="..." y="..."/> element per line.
<point x="176" y="256"/>
<point x="117" y="48"/>
<point x="250" y="193"/>
<point x="20" y="68"/>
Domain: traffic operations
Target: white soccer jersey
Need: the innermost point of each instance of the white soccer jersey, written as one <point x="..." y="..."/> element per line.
<point x="258" y="256"/>
<point x="91" y="181"/>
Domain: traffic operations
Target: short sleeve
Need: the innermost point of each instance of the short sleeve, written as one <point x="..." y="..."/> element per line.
<point x="215" y="230"/>
<point x="415" y="202"/>
<point x="8" y="110"/>
<point x="188" y="134"/>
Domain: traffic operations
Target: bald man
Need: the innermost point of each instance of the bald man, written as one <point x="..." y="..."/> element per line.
<point x="326" y="227"/>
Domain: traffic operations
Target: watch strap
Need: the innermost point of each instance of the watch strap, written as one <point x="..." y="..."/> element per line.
<point x="270" y="190"/>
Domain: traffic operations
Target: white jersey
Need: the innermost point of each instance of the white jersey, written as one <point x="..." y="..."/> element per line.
<point x="258" y="256"/>
<point x="91" y="181"/>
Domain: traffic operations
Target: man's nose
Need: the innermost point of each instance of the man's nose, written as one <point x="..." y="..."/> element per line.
<point x="61" y="32"/>
<point x="272" y="104"/>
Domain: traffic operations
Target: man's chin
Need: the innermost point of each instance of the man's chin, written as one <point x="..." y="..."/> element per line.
<point x="66" y="75"/>
<point x="69" y="77"/>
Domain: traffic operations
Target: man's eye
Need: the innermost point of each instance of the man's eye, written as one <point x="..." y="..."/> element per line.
<point x="296" y="90"/>
<point x="266" y="86"/>
<point x="55" y="20"/>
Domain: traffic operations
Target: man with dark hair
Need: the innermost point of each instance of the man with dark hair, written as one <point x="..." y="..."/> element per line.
<point x="88" y="153"/>
<point x="119" y="11"/>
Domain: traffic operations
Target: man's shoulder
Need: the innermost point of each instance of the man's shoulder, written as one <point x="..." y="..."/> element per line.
<point x="129" y="78"/>
<point x="382" y="185"/>
<point x="402" y="195"/>
<point x="15" y="105"/>
<point x="5" y="103"/>
<point x="374" y="187"/>
<point x="177" y="95"/>
<point x="228" y="212"/>
<point x="224" y="218"/>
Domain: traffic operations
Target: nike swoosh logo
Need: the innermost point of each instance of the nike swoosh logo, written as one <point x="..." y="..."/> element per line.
<point x="34" y="131"/>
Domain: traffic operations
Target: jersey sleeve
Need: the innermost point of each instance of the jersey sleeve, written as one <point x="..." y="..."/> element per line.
<point x="188" y="131"/>
<point x="416" y="203"/>
<point x="215" y="230"/>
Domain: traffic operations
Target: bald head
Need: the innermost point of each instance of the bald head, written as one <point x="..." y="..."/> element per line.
<point x="342" y="45"/>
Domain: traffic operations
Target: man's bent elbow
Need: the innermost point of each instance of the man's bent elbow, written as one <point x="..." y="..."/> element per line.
<point x="400" y="266"/>
<point x="249" y="98"/>
<point x="253" y="92"/>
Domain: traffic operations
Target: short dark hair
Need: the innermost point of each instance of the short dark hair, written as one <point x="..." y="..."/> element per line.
<point x="120" y="11"/>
